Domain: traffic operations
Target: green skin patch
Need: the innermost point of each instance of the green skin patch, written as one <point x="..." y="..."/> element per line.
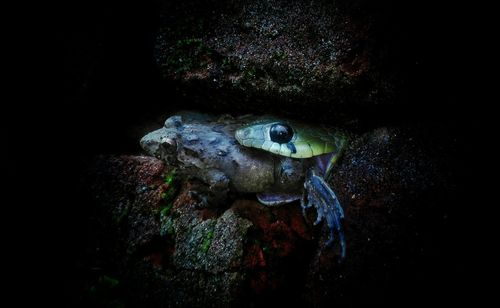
<point x="292" y="164"/>
<point x="294" y="140"/>
<point x="305" y="142"/>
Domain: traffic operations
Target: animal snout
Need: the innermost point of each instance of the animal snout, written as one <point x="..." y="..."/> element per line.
<point x="241" y="134"/>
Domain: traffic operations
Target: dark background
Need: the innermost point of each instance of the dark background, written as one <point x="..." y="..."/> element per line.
<point x="110" y="85"/>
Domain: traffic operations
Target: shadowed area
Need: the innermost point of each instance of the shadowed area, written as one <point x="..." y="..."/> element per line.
<point x="124" y="229"/>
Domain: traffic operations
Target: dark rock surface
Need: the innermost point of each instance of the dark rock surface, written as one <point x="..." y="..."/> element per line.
<point x="243" y="253"/>
<point x="388" y="71"/>
<point x="192" y="256"/>
<point x="396" y="193"/>
<point x="296" y="54"/>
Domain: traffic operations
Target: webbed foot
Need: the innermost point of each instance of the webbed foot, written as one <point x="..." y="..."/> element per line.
<point x="318" y="193"/>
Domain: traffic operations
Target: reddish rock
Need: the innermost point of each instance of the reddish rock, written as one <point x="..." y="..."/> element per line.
<point x="259" y="283"/>
<point x="252" y="210"/>
<point x="221" y="253"/>
<point x="281" y="238"/>
<point x="292" y="216"/>
<point x="254" y="257"/>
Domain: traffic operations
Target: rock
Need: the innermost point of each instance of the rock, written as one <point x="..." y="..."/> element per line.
<point x="298" y="55"/>
<point x="355" y="64"/>
<point x="395" y="192"/>
<point x="128" y="189"/>
<point x="212" y="245"/>
<point x="190" y="255"/>
<point x="243" y="253"/>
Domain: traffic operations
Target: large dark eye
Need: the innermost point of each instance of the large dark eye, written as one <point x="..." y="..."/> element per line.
<point x="281" y="133"/>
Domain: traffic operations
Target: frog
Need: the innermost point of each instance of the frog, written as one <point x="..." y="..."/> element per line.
<point x="279" y="160"/>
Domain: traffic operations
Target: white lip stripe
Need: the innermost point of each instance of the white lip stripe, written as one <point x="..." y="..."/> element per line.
<point x="247" y="142"/>
<point x="284" y="150"/>
<point x="275" y="148"/>
<point x="267" y="145"/>
<point x="257" y="143"/>
<point x="307" y="142"/>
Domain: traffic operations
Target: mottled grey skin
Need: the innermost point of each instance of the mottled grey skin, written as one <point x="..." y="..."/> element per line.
<point x="204" y="147"/>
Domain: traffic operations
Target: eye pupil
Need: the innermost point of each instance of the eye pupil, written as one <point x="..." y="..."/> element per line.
<point x="281" y="133"/>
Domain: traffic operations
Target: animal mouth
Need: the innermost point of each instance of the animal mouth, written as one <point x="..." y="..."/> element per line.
<point x="239" y="135"/>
